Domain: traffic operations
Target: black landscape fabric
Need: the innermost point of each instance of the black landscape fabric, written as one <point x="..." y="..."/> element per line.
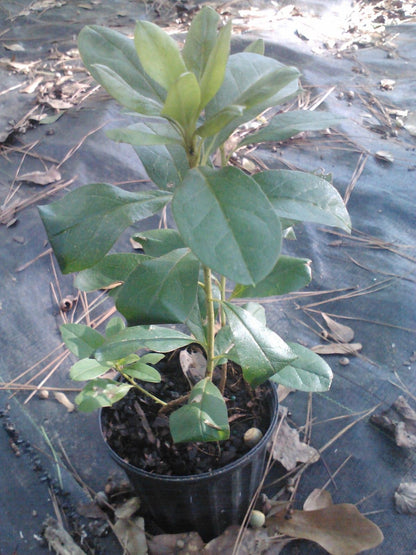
<point x="358" y="61"/>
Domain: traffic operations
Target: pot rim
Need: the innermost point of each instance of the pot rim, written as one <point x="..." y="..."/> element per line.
<point x="245" y="459"/>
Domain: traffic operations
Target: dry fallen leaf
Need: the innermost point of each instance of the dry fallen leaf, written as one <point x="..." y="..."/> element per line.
<point x="318" y="499"/>
<point x="338" y="349"/>
<point x="283" y="392"/>
<point x="130" y="533"/>
<point x="30" y="89"/>
<point x="63" y="399"/>
<point x="405" y="498"/>
<point x="180" y="544"/>
<point x="58" y="538"/>
<point x="384" y="156"/>
<point x="399" y="421"/>
<point x="127" y="509"/>
<point x="193" y="364"/>
<point x="41" y="178"/>
<point x="14" y="47"/>
<point x="252" y="541"/>
<point x="289" y="450"/>
<point x="340" y="529"/>
<point x="410" y="123"/>
<point x="339" y="332"/>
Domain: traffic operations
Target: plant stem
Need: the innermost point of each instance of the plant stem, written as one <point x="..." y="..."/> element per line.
<point x="141" y="389"/>
<point x="210" y="322"/>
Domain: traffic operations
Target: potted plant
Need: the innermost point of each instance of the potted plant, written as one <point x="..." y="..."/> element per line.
<point x="187" y="109"/>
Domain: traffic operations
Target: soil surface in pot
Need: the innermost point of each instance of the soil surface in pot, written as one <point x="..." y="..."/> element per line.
<point x="137" y="431"/>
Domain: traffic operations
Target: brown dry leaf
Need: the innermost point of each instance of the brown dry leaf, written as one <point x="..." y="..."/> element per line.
<point x="318" y="499"/>
<point x="193" y="364"/>
<point x="130" y="533"/>
<point x="58" y="538"/>
<point x="41" y="178"/>
<point x="127" y="509"/>
<point x="338" y="349"/>
<point x="63" y="399"/>
<point x="339" y="332"/>
<point x="180" y="544"/>
<point x="340" y="529"/>
<point x="405" y="498"/>
<point x="57" y="104"/>
<point x="289" y="450"/>
<point x="14" y="47"/>
<point x="410" y="123"/>
<point x="283" y="392"/>
<point x="253" y="541"/>
<point x="399" y="421"/>
<point x="30" y="89"/>
<point x="384" y="156"/>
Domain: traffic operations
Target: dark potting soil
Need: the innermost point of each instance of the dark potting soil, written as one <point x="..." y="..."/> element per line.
<point x="139" y="434"/>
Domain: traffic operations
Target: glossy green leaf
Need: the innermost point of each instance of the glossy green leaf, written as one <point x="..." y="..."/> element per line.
<point x="309" y="372"/>
<point x="260" y="350"/>
<point x="214" y="71"/>
<point x="303" y="196"/>
<point x="158" y="53"/>
<point x="161" y="290"/>
<point x="165" y="164"/>
<point x="100" y="46"/>
<point x="257" y="47"/>
<point x="111" y="269"/>
<point x="153" y="338"/>
<point x="243" y="71"/>
<point x="124" y="93"/>
<point x="156" y="132"/>
<point x="219" y="121"/>
<point x="157" y="242"/>
<point x="289" y="274"/>
<point x="101" y="393"/>
<point x="203" y="418"/>
<point x="85" y="224"/>
<point x="266" y="86"/>
<point x="287" y="125"/>
<point x="144" y="372"/>
<point x="228" y="223"/>
<point x="200" y="40"/>
<point x="183" y="100"/>
<point x="81" y="339"/>
<point x="257" y="310"/>
<point x="152" y="358"/>
<point x="114" y="325"/>
<point x="87" y="369"/>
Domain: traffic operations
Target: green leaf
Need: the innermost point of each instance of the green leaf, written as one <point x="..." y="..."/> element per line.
<point x="124" y="93"/>
<point x="157" y="242"/>
<point x="200" y="40"/>
<point x="111" y="269"/>
<point x="214" y="71"/>
<point x="158" y="53"/>
<point x="152" y="358"/>
<point x="243" y="71"/>
<point x="153" y="338"/>
<point x="114" y="325"/>
<point x="287" y="125"/>
<point x="100" y="46"/>
<point x="289" y="274"/>
<point x="165" y="164"/>
<point x="257" y="310"/>
<point x="303" y="196"/>
<point x="309" y="372"/>
<point x="183" y="100"/>
<point x="257" y="47"/>
<point x="81" y="339"/>
<point x="143" y="372"/>
<point x="161" y="290"/>
<point x="219" y="121"/>
<point x="261" y="352"/>
<point x="228" y="223"/>
<point x="266" y="86"/>
<point x="157" y="132"/>
<point x="87" y="369"/>
<point x="101" y="393"/>
<point x="84" y="225"/>
<point x="204" y="418"/>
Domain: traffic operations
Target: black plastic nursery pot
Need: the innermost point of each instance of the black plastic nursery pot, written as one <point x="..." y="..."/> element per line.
<point x="206" y="503"/>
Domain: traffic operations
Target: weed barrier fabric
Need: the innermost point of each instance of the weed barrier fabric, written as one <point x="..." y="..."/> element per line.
<point x="366" y="281"/>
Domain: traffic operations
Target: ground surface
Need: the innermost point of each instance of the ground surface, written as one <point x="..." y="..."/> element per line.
<point x="358" y="62"/>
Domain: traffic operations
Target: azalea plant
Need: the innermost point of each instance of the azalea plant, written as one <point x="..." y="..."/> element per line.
<point x="188" y="109"/>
